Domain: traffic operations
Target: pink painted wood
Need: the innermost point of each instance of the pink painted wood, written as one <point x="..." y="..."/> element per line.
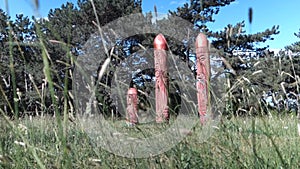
<point x="132" y="109"/>
<point x="161" y="82"/>
<point x="203" y="74"/>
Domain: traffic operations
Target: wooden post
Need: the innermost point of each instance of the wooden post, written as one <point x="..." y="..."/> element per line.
<point x="161" y="79"/>
<point x="203" y="74"/>
<point x="132" y="109"/>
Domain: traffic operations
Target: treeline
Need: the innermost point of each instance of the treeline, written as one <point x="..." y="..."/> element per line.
<point x="60" y="37"/>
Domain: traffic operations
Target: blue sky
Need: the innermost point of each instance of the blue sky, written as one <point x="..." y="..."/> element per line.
<point x="266" y="13"/>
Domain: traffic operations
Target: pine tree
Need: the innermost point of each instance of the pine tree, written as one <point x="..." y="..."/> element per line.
<point x="238" y="50"/>
<point x="200" y="12"/>
<point x="64" y="33"/>
<point x="295" y="47"/>
<point x="67" y="29"/>
<point x="4" y="69"/>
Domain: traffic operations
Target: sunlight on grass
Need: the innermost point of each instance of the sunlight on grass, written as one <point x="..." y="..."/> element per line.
<point x="58" y="140"/>
<point x="230" y="145"/>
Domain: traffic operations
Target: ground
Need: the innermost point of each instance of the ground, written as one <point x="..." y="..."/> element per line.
<point x="239" y="142"/>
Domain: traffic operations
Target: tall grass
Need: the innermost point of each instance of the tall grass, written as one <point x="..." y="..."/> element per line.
<point x="237" y="142"/>
<point x="230" y="146"/>
<point x="12" y="70"/>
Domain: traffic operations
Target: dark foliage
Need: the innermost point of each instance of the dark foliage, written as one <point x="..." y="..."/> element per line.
<point x="67" y="29"/>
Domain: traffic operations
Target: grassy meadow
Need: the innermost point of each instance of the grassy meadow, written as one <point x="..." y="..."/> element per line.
<point x="42" y="141"/>
<point x="265" y="142"/>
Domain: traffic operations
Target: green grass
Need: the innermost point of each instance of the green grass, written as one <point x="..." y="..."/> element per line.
<point x="48" y="142"/>
<point x="234" y="144"/>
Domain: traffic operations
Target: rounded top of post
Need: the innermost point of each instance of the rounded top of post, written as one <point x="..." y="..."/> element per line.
<point x="201" y="40"/>
<point x="160" y="42"/>
<point x="132" y="91"/>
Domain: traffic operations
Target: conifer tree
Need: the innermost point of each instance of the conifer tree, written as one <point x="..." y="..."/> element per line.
<point x="295" y="47"/>
<point x="238" y="50"/>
